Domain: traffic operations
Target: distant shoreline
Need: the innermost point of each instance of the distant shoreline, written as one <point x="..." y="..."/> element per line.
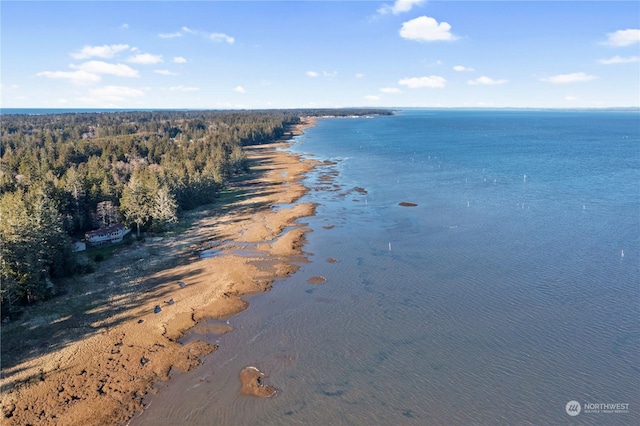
<point x="54" y="111"/>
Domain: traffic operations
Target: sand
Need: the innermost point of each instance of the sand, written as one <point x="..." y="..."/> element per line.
<point x="130" y="341"/>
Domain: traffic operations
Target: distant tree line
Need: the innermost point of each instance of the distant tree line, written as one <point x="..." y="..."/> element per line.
<point x="64" y="174"/>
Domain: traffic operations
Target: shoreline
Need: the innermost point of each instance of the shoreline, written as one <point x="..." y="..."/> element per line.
<point x="100" y="374"/>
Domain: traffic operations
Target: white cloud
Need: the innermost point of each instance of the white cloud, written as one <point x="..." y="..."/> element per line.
<point x="623" y="38"/>
<point x="372" y="98"/>
<point x="100" y="67"/>
<point x="111" y="95"/>
<point x="104" y="51"/>
<point x="170" y="35"/>
<point x="359" y="75"/>
<point x="220" y="37"/>
<point x="571" y="98"/>
<point x="619" y="60"/>
<point x="426" y="28"/>
<point x="400" y="6"/>
<point x="182" y="88"/>
<point x="239" y="89"/>
<point x="90" y="71"/>
<point x="217" y="37"/>
<point x="165" y="72"/>
<point x="390" y="90"/>
<point x="487" y="81"/>
<point x="76" y="77"/>
<point x="325" y="74"/>
<point x="145" y="59"/>
<point x="461" y="68"/>
<point x="124" y="26"/>
<point x="432" y="81"/>
<point x="569" y="78"/>
<point x="179" y="60"/>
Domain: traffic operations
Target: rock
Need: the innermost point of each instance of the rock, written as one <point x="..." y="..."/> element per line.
<point x="157" y="309"/>
<point x="407" y="204"/>
<point x="317" y="280"/>
<point x="252" y="381"/>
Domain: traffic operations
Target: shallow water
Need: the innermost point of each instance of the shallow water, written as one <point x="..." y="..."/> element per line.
<point x="510" y="289"/>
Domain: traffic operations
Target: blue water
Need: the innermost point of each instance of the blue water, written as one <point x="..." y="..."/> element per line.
<point x="512" y="288"/>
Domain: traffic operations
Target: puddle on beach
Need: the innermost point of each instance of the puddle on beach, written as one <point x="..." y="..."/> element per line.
<point x="209" y="328"/>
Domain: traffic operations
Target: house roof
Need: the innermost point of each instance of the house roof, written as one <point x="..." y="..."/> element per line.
<point x="105" y="230"/>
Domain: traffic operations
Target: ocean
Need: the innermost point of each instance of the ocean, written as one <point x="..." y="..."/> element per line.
<point x="506" y="292"/>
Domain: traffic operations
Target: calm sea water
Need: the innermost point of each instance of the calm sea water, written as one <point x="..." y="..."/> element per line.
<point x="512" y="288"/>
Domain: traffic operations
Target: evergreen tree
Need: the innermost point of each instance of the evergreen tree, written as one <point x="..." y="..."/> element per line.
<point x="136" y="202"/>
<point x="34" y="246"/>
<point x="164" y="209"/>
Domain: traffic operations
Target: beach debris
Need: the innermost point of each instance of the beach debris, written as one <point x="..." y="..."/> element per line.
<point x="407" y="204"/>
<point x="140" y="321"/>
<point x="182" y="284"/>
<point x="144" y="360"/>
<point x="157" y="309"/>
<point x="170" y="302"/>
<point x="252" y="381"/>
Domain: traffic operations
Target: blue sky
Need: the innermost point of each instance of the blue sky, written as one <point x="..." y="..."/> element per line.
<point x="286" y="54"/>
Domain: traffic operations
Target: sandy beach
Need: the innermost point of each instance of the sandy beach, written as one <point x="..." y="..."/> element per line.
<point x="94" y="365"/>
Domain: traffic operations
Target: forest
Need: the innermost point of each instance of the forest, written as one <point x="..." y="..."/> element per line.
<point x="62" y="175"/>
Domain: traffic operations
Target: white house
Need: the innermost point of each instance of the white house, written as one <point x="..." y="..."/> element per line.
<point x="107" y="235"/>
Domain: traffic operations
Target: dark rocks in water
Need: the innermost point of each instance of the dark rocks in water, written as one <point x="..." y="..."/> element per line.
<point x="407" y="204"/>
<point x="157" y="309"/>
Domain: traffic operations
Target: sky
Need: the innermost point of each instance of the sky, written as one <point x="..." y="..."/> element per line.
<point x="319" y="54"/>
